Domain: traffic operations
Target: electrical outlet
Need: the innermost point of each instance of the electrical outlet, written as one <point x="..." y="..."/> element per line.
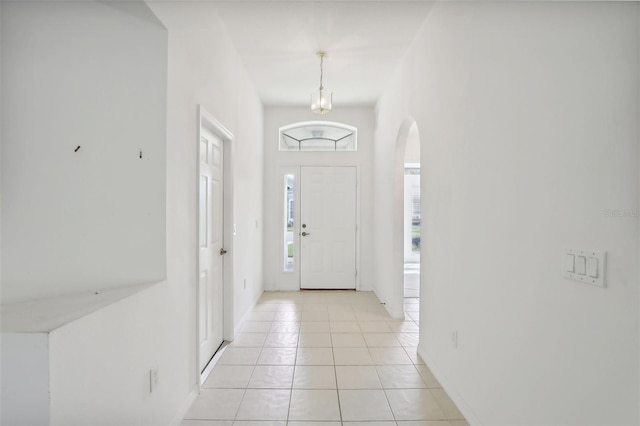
<point x="154" y="378"/>
<point x="454" y="339"/>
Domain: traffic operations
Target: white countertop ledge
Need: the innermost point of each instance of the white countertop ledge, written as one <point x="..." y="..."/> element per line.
<point x="46" y="315"/>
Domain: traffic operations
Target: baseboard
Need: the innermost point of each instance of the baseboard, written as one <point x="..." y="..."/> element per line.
<point x="464" y="408"/>
<point x="247" y="313"/>
<point x="257" y="297"/>
<point x="177" y="420"/>
<point x="393" y="313"/>
<point x="194" y="393"/>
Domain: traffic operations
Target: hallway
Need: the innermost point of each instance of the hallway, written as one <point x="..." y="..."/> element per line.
<point x="411" y="281"/>
<point x="323" y="356"/>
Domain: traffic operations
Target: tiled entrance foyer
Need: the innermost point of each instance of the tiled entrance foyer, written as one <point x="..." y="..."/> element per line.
<point x="323" y="356"/>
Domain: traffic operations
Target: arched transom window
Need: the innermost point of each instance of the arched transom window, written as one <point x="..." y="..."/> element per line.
<point x="318" y="136"/>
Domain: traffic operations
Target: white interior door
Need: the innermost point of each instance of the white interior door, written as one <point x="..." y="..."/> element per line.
<point x="328" y="227"/>
<point x="210" y="291"/>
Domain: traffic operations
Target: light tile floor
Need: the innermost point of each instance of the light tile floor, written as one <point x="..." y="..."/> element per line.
<point x="323" y="358"/>
<point x="411" y="280"/>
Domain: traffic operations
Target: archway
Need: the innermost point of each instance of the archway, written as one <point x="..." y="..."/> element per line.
<point x="406" y="220"/>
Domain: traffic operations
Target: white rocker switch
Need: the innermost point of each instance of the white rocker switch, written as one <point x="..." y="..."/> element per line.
<point x="592" y="267"/>
<point x="581" y="265"/>
<point x="570" y="263"/>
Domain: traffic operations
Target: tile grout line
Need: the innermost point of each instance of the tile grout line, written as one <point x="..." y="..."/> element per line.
<point x="335" y="374"/>
<point x="244" y="392"/>
<point x="384" y="391"/>
<point x="295" y="367"/>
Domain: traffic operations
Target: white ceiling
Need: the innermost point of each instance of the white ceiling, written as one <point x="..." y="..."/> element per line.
<point x="278" y="41"/>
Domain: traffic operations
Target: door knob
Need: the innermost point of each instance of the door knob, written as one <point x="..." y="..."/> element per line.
<point x="222" y="251"/>
<point x="304" y="234"/>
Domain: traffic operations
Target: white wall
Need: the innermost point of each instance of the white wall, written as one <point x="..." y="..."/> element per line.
<point x="25" y="379"/>
<point x="1" y="97"/>
<point x="394" y="125"/>
<point x="91" y="75"/>
<point x="99" y="365"/>
<point x="527" y="114"/>
<point x="204" y="69"/>
<point x="412" y="147"/>
<point x="158" y="326"/>
<point x="274" y="160"/>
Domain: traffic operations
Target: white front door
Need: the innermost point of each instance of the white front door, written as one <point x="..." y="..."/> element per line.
<point x="210" y="291"/>
<point x="328" y="228"/>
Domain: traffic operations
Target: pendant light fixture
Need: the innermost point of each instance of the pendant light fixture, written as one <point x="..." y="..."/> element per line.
<point x="320" y="103"/>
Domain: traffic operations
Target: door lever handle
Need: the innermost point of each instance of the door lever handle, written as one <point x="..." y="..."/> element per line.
<point x="304" y="234"/>
<point x="222" y="251"/>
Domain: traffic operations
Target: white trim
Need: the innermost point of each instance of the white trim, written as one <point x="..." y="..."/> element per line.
<point x="318" y="123"/>
<point x="358" y="227"/>
<point x="182" y="411"/>
<point x="445" y="382"/>
<point x="207" y="121"/>
<point x="209" y="368"/>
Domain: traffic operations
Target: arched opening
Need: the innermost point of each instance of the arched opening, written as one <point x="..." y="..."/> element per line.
<point x="407" y="222"/>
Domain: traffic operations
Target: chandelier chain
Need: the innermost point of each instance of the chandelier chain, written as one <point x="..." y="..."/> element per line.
<point x="321" y="60"/>
<point x="320" y="103"/>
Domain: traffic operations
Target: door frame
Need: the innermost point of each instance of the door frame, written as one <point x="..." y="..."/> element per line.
<point x="207" y="121"/>
<point x="291" y="281"/>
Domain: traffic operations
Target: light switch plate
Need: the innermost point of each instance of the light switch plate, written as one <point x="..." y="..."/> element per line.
<point x="570" y="263"/>
<point x="594" y="260"/>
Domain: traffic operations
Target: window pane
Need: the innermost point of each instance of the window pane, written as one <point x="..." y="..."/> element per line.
<point x="288" y="223"/>
<point x="412" y="171"/>
<point x="415" y="221"/>
<point x="318" y="136"/>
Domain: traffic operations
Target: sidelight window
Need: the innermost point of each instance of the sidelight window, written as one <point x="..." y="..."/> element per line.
<point x="288" y="223"/>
